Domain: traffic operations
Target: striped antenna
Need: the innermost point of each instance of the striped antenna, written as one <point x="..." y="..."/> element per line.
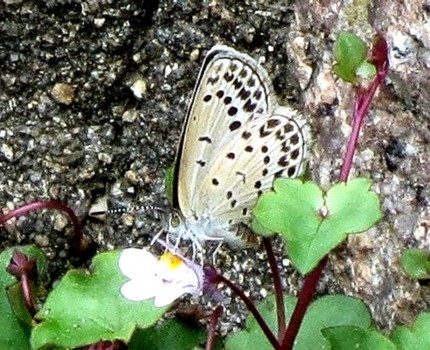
<point x="100" y="209"/>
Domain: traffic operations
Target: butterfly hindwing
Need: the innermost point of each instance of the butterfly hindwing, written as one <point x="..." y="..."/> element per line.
<point x="245" y="168"/>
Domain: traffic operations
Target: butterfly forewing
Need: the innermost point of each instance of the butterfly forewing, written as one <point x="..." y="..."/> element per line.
<point x="236" y="140"/>
<point x="230" y="91"/>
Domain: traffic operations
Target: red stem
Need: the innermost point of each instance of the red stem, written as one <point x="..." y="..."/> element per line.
<point x="362" y="103"/>
<point x="306" y="293"/>
<point x="212" y="328"/>
<point x="280" y="307"/>
<point x="77" y="243"/>
<point x="27" y="295"/>
<point x="251" y="307"/>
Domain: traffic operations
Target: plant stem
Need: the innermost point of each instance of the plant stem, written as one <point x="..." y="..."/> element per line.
<point x="363" y="98"/>
<point x="251" y="307"/>
<point x="212" y="327"/>
<point x="78" y="243"/>
<point x="280" y="307"/>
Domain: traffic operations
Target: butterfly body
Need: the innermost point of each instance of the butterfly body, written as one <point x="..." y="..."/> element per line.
<point x="235" y="141"/>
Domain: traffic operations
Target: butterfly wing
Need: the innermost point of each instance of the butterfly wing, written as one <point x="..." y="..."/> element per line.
<point x="231" y="90"/>
<point x="276" y="145"/>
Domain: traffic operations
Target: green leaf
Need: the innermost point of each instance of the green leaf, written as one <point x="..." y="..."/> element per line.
<point x="350" y="52"/>
<point x="366" y="70"/>
<point x="416" y="263"/>
<point x="85" y="308"/>
<point x="296" y="210"/>
<point x="415" y="337"/>
<point x="328" y="311"/>
<point x="351" y="337"/>
<point x="14" y="318"/>
<point x="168" y="182"/>
<point x="291" y="206"/>
<point x="169" y="335"/>
<point x="252" y="337"/>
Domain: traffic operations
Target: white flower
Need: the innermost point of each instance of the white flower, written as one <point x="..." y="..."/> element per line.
<point x="164" y="279"/>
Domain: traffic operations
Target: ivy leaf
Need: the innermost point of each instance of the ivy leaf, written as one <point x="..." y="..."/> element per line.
<point x="313" y="223"/>
<point x="86" y="308"/>
<point x="415" y="337"/>
<point x="352" y="337"/>
<point x="325" y="312"/>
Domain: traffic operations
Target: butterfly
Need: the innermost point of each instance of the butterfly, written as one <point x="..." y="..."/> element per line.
<point x="236" y="140"/>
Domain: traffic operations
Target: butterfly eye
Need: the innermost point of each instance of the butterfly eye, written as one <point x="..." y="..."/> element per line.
<point x="175" y="220"/>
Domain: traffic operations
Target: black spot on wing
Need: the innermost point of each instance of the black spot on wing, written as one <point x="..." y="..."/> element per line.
<point x="228" y="77"/>
<point x="244" y="94"/>
<point x="235" y="125"/>
<point x="213" y="80"/>
<point x="283" y="161"/>
<point x="288" y="128"/>
<point x="233" y="67"/>
<point x="257" y="94"/>
<point x="243" y="73"/>
<point x="246" y="135"/>
<point x="294" y="139"/>
<point x="232" y="111"/>
<point x="295" y="154"/>
<point x="292" y="171"/>
<point x="237" y="84"/>
<point x="271" y="123"/>
<point x="249" y="106"/>
<point x="205" y="139"/>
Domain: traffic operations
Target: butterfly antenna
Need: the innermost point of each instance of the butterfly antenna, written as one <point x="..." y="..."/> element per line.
<point x="100" y="209"/>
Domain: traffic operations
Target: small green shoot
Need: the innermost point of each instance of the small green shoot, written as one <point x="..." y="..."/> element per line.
<point x="351" y="54"/>
<point x="15" y="319"/>
<point x="416" y="263"/>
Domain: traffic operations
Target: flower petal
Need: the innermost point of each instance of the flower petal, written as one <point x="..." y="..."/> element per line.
<point x="167" y="295"/>
<point x="137" y="291"/>
<point x="137" y="263"/>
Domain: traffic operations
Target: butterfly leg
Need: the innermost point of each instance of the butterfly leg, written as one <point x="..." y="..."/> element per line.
<point x="157" y="236"/>
<point x="214" y="254"/>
